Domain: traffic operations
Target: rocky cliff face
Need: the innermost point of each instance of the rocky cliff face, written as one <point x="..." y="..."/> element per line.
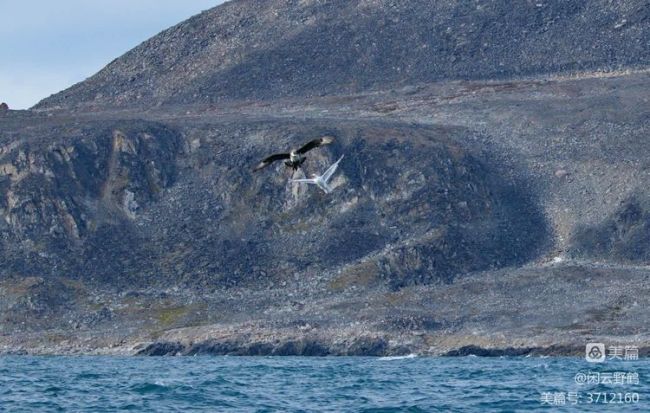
<point x="492" y="213"/>
<point x="123" y="202"/>
<point x="65" y="200"/>
<point x="624" y="235"/>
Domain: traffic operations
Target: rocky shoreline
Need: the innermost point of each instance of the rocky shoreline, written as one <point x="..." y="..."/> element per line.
<point x="460" y="323"/>
<point x="369" y="346"/>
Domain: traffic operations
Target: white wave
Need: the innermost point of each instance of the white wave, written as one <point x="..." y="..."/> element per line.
<point x="389" y="358"/>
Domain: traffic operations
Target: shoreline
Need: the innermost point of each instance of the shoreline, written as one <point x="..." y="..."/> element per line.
<point x="363" y="346"/>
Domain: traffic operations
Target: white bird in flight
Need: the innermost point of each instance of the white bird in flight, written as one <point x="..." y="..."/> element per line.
<point x="322" y="180"/>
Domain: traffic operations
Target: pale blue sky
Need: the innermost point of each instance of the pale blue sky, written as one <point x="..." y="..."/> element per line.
<point x="46" y="46"/>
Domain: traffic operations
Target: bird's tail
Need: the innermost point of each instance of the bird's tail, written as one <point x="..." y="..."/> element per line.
<point x="325" y="187"/>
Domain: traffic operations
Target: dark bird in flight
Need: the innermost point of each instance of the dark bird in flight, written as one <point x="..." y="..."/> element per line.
<point x="296" y="157"/>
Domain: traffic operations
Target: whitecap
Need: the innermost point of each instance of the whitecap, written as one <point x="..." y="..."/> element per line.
<point x="389" y="358"/>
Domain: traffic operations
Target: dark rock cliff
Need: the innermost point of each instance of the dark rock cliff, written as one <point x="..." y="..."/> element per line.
<point x="131" y="201"/>
<point x="68" y="203"/>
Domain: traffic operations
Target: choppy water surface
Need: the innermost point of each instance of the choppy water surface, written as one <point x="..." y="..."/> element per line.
<point x="473" y="384"/>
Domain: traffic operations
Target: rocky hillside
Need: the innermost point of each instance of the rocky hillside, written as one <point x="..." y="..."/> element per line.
<point x="66" y="202"/>
<point x="485" y="197"/>
<point x="255" y="49"/>
<point x="123" y="202"/>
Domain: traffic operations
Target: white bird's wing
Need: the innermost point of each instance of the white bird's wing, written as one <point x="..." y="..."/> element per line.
<point x="305" y="180"/>
<point x="330" y="171"/>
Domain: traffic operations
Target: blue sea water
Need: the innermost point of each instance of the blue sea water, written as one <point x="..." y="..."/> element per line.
<point x="297" y="384"/>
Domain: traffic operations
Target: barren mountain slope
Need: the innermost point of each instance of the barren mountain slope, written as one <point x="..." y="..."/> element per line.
<point x="266" y="49"/>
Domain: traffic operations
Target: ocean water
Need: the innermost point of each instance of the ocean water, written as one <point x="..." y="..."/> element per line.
<point x="336" y="384"/>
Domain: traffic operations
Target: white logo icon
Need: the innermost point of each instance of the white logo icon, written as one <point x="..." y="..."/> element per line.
<point x="595" y="352"/>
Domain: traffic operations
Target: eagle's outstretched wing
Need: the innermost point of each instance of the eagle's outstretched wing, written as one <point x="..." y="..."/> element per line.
<point x="269" y="160"/>
<point x="325" y="140"/>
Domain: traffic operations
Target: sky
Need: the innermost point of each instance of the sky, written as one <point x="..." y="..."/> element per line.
<point x="47" y="46"/>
